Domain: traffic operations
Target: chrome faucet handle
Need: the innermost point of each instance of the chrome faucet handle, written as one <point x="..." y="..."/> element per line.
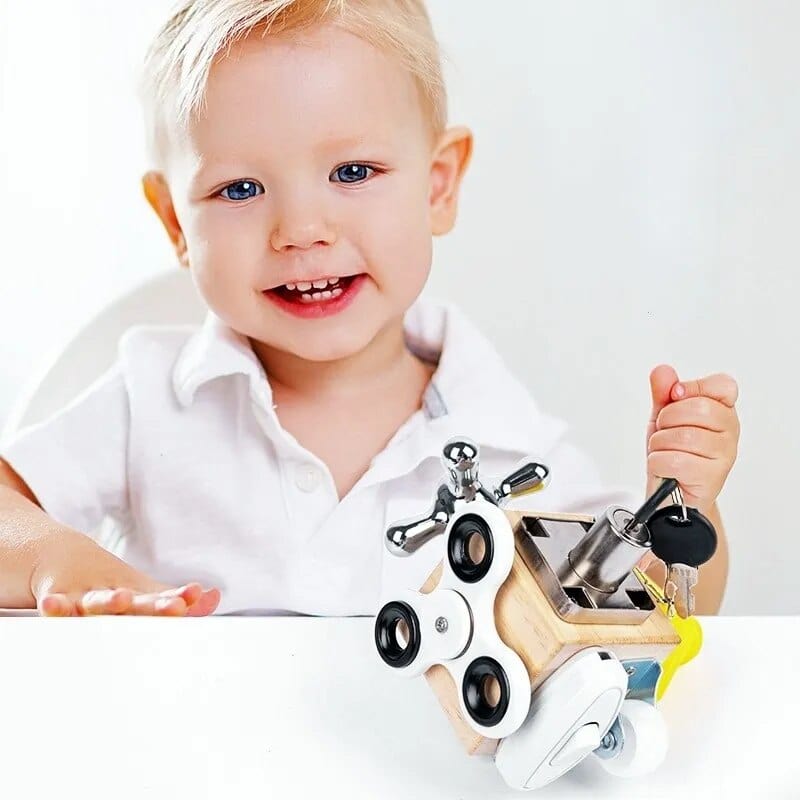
<point x="407" y="536"/>
<point x="527" y="478"/>
<point x="460" y="457"/>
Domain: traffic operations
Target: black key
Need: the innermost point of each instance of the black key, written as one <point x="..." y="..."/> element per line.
<point x="683" y="543"/>
<point x="668" y="485"/>
<point x="676" y="540"/>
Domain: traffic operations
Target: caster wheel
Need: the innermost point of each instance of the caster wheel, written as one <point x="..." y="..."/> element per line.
<point x="644" y="741"/>
<point x="570" y="713"/>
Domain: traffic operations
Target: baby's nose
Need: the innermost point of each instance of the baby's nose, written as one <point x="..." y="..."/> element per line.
<point x="301" y="226"/>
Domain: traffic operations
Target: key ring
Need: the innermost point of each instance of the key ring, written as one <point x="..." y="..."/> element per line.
<point x="677" y="498"/>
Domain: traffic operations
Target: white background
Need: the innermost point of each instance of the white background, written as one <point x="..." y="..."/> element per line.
<point x="633" y="200"/>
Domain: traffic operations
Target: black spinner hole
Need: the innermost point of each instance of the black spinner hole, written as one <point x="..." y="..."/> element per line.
<point x="469" y="559"/>
<point x="486" y="691"/>
<point x="397" y="634"/>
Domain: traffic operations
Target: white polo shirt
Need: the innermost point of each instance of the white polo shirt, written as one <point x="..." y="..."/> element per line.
<point x="180" y="445"/>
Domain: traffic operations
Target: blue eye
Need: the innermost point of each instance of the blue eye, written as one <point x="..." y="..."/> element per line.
<point x="242" y="190"/>
<point x="351" y="173"/>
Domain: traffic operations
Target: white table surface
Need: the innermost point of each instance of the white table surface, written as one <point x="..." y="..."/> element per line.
<point x="228" y="707"/>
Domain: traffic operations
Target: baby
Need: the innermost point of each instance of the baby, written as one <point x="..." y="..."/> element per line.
<point x="302" y="163"/>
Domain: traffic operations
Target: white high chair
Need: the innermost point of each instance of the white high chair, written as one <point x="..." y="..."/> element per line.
<point x="169" y="297"/>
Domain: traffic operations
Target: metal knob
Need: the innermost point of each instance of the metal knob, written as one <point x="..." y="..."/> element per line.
<point x="460" y="457"/>
<point x="529" y="477"/>
<point x="407" y="536"/>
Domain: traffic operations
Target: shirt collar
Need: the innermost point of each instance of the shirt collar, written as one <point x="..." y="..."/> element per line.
<point x="472" y="393"/>
<point x="217" y="351"/>
<point x="483" y="400"/>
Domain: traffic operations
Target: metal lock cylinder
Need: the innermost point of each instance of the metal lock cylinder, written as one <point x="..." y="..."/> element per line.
<point x="608" y="552"/>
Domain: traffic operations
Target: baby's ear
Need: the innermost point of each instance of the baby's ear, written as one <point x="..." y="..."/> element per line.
<point x="450" y="159"/>
<point x="156" y="190"/>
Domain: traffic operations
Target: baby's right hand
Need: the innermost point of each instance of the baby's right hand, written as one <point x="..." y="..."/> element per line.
<point x="76" y="577"/>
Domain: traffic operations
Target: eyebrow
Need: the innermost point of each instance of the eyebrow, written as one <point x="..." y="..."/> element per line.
<point x="200" y="177"/>
<point x="343" y="142"/>
<point x="378" y="143"/>
<point x="204" y="170"/>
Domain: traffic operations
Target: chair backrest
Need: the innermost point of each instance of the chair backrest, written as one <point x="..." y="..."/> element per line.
<point x="167" y="298"/>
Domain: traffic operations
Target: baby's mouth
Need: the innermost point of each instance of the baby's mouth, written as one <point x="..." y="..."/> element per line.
<point x="314" y="292"/>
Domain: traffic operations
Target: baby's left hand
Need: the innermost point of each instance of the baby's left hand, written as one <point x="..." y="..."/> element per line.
<point x="693" y="434"/>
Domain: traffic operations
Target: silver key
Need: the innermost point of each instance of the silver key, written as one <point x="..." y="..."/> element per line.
<point x="684" y="579"/>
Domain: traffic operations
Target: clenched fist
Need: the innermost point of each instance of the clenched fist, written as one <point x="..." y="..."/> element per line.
<point x="693" y="434"/>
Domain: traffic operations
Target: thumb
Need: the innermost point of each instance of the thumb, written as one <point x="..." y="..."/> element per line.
<point x="662" y="379"/>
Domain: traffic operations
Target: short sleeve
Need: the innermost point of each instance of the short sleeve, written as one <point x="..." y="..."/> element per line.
<point x="75" y="462"/>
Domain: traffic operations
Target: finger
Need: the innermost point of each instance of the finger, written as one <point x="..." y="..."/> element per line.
<point x="699" y="441"/>
<point x="190" y="592"/>
<point x="104" y="601"/>
<point x="662" y="379"/>
<point x="155" y="605"/>
<point x="699" y="412"/>
<point x="56" y="605"/>
<point x="645" y="561"/>
<point x="720" y="387"/>
<point x="696" y="475"/>
<point x="206" y="605"/>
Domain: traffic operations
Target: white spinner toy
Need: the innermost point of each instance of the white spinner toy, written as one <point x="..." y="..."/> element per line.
<point x="538" y="637"/>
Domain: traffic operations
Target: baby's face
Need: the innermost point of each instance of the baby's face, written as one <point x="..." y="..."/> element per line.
<point x="314" y="161"/>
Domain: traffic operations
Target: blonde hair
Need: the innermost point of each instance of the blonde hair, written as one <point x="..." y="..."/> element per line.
<point x="179" y="60"/>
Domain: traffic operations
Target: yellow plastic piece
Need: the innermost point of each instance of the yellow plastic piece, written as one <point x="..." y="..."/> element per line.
<point x="691" y="641"/>
<point x="688" y="629"/>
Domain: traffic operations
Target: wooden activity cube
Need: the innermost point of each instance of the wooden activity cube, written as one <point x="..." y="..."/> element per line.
<point x="529" y="623"/>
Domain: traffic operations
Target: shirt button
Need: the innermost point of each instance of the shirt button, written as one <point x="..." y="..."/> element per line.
<point x="307" y="477"/>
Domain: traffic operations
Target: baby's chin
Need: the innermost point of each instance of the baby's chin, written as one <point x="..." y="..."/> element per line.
<point x="328" y="342"/>
<point x="319" y="347"/>
<point x="275" y="353"/>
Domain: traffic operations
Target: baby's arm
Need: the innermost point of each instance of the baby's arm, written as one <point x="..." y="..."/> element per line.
<point x="693" y="436"/>
<point x="713" y="575"/>
<point x="62" y="572"/>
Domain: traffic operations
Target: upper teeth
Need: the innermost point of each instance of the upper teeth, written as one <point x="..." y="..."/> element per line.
<point x="306" y="286"/>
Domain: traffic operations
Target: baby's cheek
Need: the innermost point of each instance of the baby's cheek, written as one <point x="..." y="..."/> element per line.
<point x="205" y="278"/>
<point x="401" y="253"/>
<point x="221" y="288"/>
